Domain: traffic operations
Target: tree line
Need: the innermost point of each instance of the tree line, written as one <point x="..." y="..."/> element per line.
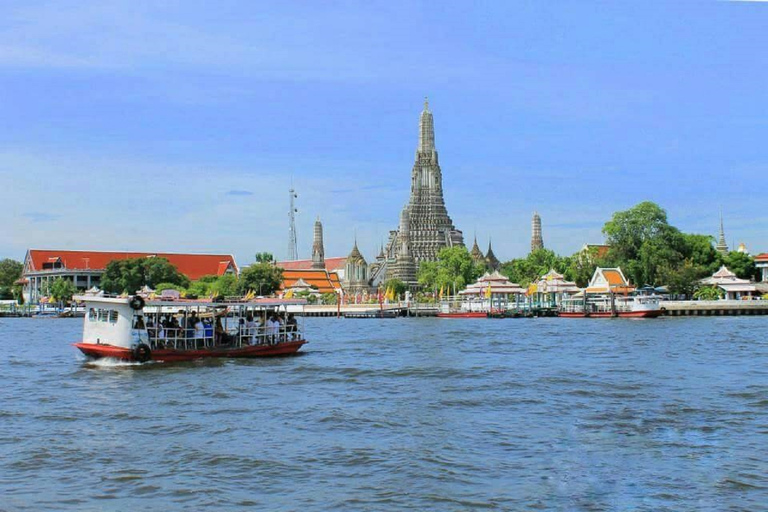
<point x="640" y="241"/>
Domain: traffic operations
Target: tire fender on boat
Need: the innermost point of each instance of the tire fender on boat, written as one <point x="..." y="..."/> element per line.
<point x="142" y="353"/>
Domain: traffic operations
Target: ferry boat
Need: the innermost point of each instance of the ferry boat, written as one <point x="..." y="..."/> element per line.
<point x="135" y="329"/>
<point x="607" y="306"/>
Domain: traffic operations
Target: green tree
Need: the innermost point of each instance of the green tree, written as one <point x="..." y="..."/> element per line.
<point x="708" y="293"/>
<point x="329" y="298"/>
<point x="529" y="269"/>
<point x="263" y="278"/>
<point x="18" y="294"/>
<point x="10" y="272"/>
<point x="168" y="286"/>
<point x="225" y="286"/>
<point x="685" y="279"/>
<point x="741" y="264"/>
<point x="130" y="275"/>
<point x="643" y="243"/>
<point x="397" y="286"/>
<point x="62" y="290"/>
<point x="453" y="270"/>
<point x="264" y="257"/>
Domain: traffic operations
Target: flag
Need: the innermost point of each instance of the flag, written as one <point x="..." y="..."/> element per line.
<point x="441" y="292"/>
<point x="532" y="289"/>
<point x="488" y="291"/>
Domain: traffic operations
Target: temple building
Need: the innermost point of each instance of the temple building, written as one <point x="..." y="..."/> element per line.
<point x="355" y="272"/>
<point x="537" y="242"/>
<point x="425" y="226"/>
<point x="85" y="268"/>
<point x="731" y="286"/>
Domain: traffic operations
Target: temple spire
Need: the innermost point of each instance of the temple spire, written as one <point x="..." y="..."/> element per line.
<point x="318" y="250"/>
<point x="722" y="246"/>
<point x="426" y="130"/>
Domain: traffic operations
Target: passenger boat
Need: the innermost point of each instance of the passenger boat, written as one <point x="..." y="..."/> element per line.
<point x="132" y="329"/>
<point x="609" y="306"/>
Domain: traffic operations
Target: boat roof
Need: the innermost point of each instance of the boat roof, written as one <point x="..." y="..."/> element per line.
<point x="264" y="302"/>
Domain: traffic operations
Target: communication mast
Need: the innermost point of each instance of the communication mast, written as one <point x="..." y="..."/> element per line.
<point x="293" y="251"/>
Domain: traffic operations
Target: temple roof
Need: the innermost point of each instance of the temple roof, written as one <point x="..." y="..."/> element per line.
<point x="491" y="258"/>
<point x="355" y="256"/>
<point x="194" y="266"/>
<point x="476" y="253"/>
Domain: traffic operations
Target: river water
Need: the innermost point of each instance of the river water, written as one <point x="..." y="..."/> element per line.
<point x="398" y="414"/>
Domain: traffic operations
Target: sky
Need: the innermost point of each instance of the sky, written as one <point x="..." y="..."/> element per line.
<point x="179" y="126"/>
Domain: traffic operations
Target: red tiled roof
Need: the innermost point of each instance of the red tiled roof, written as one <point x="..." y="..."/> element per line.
<point x="325" y="282"/>
<point x="762" y="257"/>
<point x="331" y="264"/>
<point x="194" y="266"/>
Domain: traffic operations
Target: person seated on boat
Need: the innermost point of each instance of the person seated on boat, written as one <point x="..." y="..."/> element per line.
<point x="250" y="327"/>
<point x="191" y="324"/>
<point x="275" y="328"/>
<point x="220" y="336"/>
<point x="198" y="331"/>
<point x="172" y="329"/>
<point x="208" y="327"/>
<point x="242" y="333"/>
<point x="291" y="327"/>
<point x="151" y="331"/>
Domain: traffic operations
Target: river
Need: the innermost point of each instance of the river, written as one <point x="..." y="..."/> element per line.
<point x="398" y="414"/>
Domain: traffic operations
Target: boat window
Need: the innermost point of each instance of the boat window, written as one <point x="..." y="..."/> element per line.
<point x="92" y="314"/>
<point x="103" y="315"/>
<point x="112" y="316"/>
<point x="138" y="322"/>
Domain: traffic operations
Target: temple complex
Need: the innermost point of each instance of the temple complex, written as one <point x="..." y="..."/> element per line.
<point x="537" y="242"/>
<point x="425" y="226"/>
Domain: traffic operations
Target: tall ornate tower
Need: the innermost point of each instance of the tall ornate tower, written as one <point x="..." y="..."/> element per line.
<point x="356" y="272"/>
<point x="318" y="252"/>
<point x="431" y="228"/>
<point x="722" y="246"/>
<point x="537" y="242"/>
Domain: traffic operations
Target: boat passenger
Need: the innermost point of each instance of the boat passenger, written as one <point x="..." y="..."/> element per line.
<point x="250" y="327"/>
<point x="291" y="327"/>
<point x="198" y="332"/>
<point x="191" y="324"/>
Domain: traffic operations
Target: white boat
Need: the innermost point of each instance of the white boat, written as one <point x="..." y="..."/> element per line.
<point x="133" y="329"/>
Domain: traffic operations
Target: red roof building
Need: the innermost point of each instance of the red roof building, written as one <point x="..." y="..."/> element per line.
<point x="85" y="268"/>
<point x="322" y="280"/>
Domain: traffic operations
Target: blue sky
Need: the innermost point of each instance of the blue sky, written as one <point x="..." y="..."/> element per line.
<point x="178" y="126"/>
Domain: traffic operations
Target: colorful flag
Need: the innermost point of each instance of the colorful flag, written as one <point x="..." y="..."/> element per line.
<point x="488" y="291"/>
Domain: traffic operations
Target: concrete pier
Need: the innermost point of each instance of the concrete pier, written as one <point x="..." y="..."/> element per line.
<point x="714" y="307"/>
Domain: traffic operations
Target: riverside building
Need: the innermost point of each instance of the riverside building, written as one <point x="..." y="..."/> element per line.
<point x="85" y="268"/>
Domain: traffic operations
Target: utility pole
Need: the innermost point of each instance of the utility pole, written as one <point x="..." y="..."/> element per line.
<point x="293" y="252"/>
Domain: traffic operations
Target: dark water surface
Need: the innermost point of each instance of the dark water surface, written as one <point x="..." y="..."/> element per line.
<point x="422" y="414"/>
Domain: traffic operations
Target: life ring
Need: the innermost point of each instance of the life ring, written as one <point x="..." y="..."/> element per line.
<point x="137" y="303"/>
<point x="142" y="353"/>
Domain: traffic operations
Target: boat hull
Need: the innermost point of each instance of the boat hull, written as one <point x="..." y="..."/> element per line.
<point x="466" y="314"/>
<point x="98" y="351"/>
<point x="653" y="313"/>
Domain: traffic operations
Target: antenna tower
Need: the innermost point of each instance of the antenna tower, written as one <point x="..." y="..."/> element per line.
<point x="293" y="251"/>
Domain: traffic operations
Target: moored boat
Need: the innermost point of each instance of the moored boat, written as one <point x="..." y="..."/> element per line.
<point x="133" y="329"/>
<point x="610" y="306"/>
